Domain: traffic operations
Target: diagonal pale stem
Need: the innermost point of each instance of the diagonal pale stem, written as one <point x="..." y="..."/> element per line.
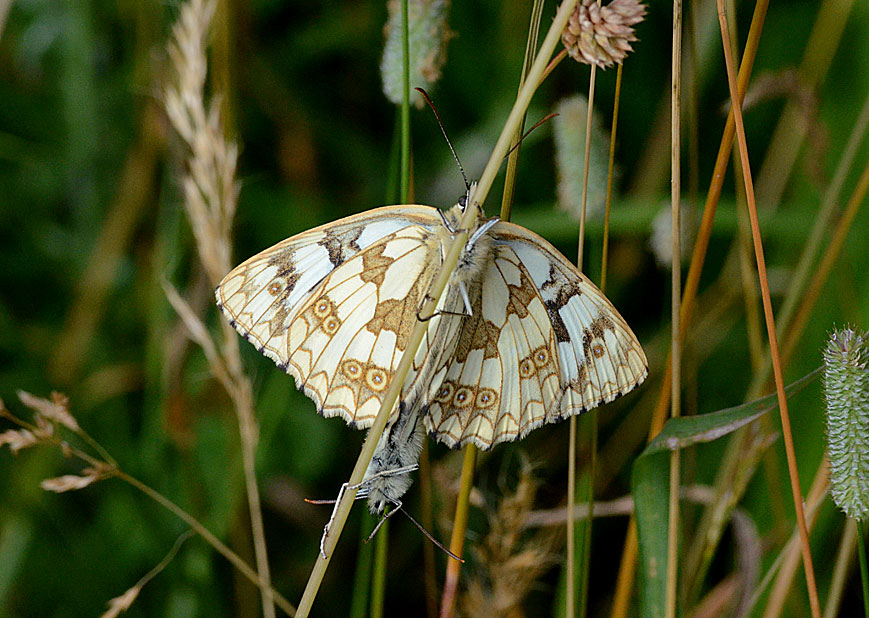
<point x="390" y="399"/>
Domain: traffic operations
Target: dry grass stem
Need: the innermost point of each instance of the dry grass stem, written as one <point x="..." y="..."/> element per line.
<point x="627" y="568"/>
<point x="45" y="432"/>
<point x="210" y="197"/>
<point x="125" y="601"/>
<point x="675" y="304"/>
<point x="768" y="316"/>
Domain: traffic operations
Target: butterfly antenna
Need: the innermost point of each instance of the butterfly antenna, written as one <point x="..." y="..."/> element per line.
<point x="546" y="118"/>
<point x="430" y="537"/>
<point x="444" y="131"/>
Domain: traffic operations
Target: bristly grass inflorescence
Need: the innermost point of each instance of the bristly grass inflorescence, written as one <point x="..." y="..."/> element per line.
<point x="846" y="390"/>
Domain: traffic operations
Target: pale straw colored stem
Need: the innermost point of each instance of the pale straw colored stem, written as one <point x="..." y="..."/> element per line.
<point x="770" y="319"/>
<point x="391" y="397"/>
<point x="675" y="301"/>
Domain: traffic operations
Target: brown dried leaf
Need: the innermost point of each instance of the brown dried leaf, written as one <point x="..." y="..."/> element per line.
<point x="55" y="410"/>
<point x="17" y="440"/>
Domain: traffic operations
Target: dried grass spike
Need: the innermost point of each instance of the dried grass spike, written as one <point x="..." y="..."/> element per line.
<point x="602" y="35"/>
<point x="509" y="559"/>
<point x="17" y="440"/>
<point x="55" y="410"/>
<point x="71" y="482"/>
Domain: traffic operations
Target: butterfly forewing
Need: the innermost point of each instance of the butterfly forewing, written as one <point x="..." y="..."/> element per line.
<point x="348" y="338"/>
<point x="311" y="302"/>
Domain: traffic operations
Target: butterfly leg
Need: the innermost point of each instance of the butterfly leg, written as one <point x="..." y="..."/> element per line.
<point x="361" y="494"/>
<point x="446" y="222"/>
<point x="465" y="298"/>
<point x="480" y="231"/>
<point x="328" y="525"/>
<point x="396" y="507"/>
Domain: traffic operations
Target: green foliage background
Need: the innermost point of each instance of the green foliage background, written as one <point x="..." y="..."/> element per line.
<point x="88" y="180"/>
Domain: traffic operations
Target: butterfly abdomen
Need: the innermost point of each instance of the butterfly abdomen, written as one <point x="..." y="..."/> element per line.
<point x="397" y="452"/>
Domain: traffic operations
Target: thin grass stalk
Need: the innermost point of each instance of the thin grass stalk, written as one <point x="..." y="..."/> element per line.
<point x="692" y="114"/>
<point x="378" y="576"/>
<point x="840" y="572"/>
<point x="555" y="62"/>
<point x="222" y="52"/>
<point x="249" y="437"/>
<point x="591" y="468"/>
<point x="749" y="284"/>
<point x="791" y="129"/>
<point x="621" y="601"/>
<point x="834" y="249"/>
<point x="210" y="538"/>
<point x="378" y="579"/>
<point x="822" y="223"/>
<point x="112" y="470"/>
<point x="457" y="540"/>
<point x="627" y="572"/>
<point x="675" y="301"/>
<point x="360" y="599"/>
<point x="812" y="505"/>
<point x="783" y="583"/>
<point x="627" y="567"/>
<point x="405" y="106"/>
<point x="864" y="570"/>
<point x="769" y="318"/>
<point x="604" y="258"/>
<point x="460" y="520"/>
<point x="390" y="399"/>
<point x="570" y="596"/>
<point x="427" y="519"/>
<point x="743" y="244"/>
<point x="516" y="143"/>
<point x="570" y="524"/>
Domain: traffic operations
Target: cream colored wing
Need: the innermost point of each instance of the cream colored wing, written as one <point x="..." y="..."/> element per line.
<point x="334" y="306"/>
<point x="544" y="343"/>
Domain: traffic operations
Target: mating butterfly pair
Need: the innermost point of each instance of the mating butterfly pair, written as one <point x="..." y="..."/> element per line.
<point x="520" y="337"/>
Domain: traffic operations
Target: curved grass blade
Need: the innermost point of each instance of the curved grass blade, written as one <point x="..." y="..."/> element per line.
<point x="650" y="482"/>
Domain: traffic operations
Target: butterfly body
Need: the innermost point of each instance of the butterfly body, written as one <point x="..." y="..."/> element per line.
<point x="520" y="337"/>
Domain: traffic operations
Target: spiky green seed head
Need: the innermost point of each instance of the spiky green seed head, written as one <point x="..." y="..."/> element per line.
<point x="846" y="391"/>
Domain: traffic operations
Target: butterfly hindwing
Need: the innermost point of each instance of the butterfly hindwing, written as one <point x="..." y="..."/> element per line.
<point x="543" y="344"/>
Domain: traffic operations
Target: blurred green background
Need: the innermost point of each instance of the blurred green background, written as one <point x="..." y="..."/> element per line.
<point x="92" y="220"/>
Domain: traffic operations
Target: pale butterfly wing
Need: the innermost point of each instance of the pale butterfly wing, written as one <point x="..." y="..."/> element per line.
<point x="334" y="306"/>
<point x="543" y="344"/>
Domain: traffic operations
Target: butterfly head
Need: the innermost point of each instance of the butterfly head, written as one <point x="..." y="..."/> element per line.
<point x="466" y="198"/>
